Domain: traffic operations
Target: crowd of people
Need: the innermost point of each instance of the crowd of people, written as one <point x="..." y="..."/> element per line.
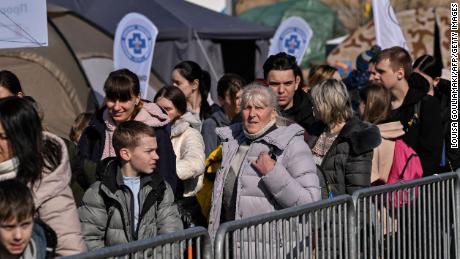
<point x="138" y="168"/>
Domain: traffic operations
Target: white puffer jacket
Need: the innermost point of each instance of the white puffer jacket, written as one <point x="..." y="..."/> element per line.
<point x="188" y="146"/>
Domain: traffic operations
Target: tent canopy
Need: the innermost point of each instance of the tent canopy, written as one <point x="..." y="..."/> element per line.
<point x="321" y="18"/>
<point x="67" y="76"/>
<point x="175" y="19"/>
<point x="217" y="42"/>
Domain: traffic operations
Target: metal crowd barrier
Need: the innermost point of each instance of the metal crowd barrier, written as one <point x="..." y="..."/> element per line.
<point x="415" y="219"/>
<point x="322" y="229"/>
<point x="189" y="243"/>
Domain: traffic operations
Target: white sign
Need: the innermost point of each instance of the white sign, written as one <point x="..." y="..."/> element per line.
<point x="387" y="30"/>
<point x="133" y="47"/>
<point x="292" y="37"/>
<point x="23" y="24"/>
<point x="215" y="5"/>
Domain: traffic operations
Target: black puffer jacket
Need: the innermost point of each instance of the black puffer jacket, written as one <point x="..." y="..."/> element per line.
<point x="301" y="112"/>
<point x="347" y="165"/>
<point x="423" y="132"/>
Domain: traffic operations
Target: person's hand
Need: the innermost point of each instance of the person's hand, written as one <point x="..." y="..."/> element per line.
<point x="264" y="163"/>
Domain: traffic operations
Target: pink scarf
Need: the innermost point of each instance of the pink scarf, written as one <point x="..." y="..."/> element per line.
<point x="149" y="114"/>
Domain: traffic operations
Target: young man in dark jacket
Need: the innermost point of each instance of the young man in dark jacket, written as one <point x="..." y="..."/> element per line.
<point x="284" y="76"/>
<point x="418" y="112"/>
<point x="131" y="202"/>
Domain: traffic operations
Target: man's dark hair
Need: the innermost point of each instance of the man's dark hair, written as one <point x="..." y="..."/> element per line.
<point x="429" y="65"/>
<point x="281" y="61"/>
<point x="16" y="201"/>
<point x="128" y="133"/>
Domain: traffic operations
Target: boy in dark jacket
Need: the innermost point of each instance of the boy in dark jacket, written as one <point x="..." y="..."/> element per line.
<point x="131" y="202"/>
<point x="19" y="236"/>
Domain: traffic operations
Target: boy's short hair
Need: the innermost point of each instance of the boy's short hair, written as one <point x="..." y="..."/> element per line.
<point x="128" y="133"/>
<point x="16" y="201"/>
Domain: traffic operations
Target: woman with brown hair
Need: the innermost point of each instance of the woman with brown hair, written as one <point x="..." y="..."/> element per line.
<point x="123" y="103"/>
<point x="375" y="106"/>
<point x="320" y="73"/>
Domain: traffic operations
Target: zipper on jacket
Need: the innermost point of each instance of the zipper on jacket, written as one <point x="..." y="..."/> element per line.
<point x="131" y="213"/>
<point x="330" y="193"/>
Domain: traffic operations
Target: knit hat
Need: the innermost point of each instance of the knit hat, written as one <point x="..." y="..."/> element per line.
<point x="362" y="60"/>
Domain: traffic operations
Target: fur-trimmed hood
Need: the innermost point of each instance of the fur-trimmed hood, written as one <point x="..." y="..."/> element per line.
<point x="362" y="136"/>
<point x="185" y="121"/>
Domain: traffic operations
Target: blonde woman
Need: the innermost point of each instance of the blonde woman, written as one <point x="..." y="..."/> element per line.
<point x="343" y="150"/>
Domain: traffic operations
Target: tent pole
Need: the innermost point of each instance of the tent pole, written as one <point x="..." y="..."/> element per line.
<point x="213" y="71"/>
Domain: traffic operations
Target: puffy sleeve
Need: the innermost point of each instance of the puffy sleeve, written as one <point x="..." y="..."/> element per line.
<point x="93" y="217"/>
<point x="293" y="181"/>
<point x="190" y="161"/>
<point x="60" y="213"/>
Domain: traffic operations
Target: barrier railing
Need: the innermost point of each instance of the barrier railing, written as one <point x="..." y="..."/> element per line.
<point x="188" y="244"/>
<point x="322" y="229"/>
<point x="415" y="219"/>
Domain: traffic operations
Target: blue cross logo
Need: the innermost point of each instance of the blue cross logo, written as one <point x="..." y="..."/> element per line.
<point x="292" y="44"/>
<point x="136" y="43"/>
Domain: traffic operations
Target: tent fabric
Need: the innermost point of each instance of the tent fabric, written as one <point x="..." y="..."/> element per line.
<point x="321" y="18"/>
<point x="186" y="32"/>
<point x="55" y="75"/>
<point x="418" y="27"/>
<point x="175" y="19"/>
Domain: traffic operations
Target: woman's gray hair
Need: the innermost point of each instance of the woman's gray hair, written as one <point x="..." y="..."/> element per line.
<point x="332" y="101"/>
<point x="259" y="95"/>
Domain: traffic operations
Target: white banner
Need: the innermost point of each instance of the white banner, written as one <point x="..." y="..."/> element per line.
<point x="23" y="24"/>
<point x="133" y="47"/>
<point x="293" y="36"/>
<point x="387" y="30"/>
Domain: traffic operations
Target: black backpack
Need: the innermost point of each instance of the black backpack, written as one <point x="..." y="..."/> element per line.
<point x="50" y="236"/>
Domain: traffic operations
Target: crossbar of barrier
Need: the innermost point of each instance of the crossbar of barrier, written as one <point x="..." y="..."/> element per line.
<point x="414" y="219"/>
<point x="323" y="228"/>
<point x="189" y="243"/>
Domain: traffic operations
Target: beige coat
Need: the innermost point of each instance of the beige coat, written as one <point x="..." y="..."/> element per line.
<point x="188" y="146"/>
<point x="384" y="153"/>
<point x="56" y="206"/>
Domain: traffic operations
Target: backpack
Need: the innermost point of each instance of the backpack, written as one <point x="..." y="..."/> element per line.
<point x="406" y="166"/>
<point x="50" y="237"/>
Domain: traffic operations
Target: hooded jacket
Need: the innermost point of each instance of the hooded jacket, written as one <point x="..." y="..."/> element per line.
<point x="189" y="149"/>
<point x="55" y="204"/>
<point x="208" y="129"/>
<point x="424" y="132"/>
<point x="107" y="211"/>
<point x="347" y="165"/>
<point x="301" y="111"/>
<point x="92" y="140"/>
<point x="292" y="181"/>
<point x="384" y="153"/>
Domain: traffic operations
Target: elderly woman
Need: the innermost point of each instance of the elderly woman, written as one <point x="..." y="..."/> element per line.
<point x="344" y="149"/>
<point x="265" y="167"/>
